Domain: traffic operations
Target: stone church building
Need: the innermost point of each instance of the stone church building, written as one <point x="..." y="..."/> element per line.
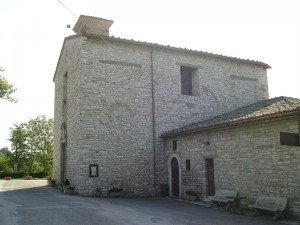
<point x="159" y="119"/>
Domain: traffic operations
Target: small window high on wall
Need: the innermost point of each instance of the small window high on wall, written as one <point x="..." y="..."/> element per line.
<point x="174" y="145"/>
<point x="188" y="164"/>
<point x="65" y="87"/>
<point x="291" y="139"/>
<point x="187" y="80"/>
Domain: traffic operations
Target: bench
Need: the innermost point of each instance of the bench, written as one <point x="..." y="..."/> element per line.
<point x="222" y="196"/>
<point x="270" y="203"/>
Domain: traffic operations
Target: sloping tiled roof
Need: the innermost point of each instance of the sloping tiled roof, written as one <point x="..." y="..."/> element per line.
<point x="168" y="47"/>
<point x="271" y="108"/>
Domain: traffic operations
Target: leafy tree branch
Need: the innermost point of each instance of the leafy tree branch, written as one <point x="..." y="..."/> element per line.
<point x="6" y="89"/>
<point x="32" y="145"/>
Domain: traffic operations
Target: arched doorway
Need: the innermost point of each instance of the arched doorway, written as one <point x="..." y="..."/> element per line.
<point x="63" y="154"/>
<point x="175" y="176"/>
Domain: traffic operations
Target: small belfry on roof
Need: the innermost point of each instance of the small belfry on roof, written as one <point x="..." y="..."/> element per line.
<point x="89" y="25"/>
<point x="98" y="28"/>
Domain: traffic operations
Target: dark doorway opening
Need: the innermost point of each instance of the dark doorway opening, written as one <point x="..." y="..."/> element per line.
<point x="210" y="179"/>
<point x="175" y="177"/>
<point x="63" y="163"/>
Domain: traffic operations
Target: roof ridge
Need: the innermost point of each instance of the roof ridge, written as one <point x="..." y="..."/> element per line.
<point x="94" y="17"/>
<point x="198" y="51"/>
<point x="256" y="62"/>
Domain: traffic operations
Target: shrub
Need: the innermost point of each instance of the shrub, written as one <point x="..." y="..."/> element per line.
<point x="71" y="188"/>
<point x="40" y="174"/>
<point x="115" y="186"/>
<point x="28" y="178"/>
<point x="191" y="192"/>
<point x="51" y="181"/>
<point x="12" y="174"/>
<point x="113" y="189"/>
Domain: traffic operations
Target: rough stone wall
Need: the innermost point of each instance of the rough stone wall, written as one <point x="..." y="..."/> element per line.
<point x="68" y="112"/>
<point x="115" y="115"/>
<point x="223" y="85"/>
<point x="109" y="107"/>
<point x="247" y="159"/>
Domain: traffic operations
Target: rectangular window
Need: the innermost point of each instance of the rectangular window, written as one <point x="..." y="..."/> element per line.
<point x="93" y="170"/>
<point x="188" y="164"/>
<point x="65" y="88"/>
<point x="291" y="139"/>
<point x="174" y="145"/>
<point x="186" y="81"/>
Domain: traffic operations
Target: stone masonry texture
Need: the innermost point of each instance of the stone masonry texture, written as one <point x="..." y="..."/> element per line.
<point x="109" y="119"/>
<point x="108" y="112"/>
<point x="248" y="159"/>
<point x="116" y="98"/>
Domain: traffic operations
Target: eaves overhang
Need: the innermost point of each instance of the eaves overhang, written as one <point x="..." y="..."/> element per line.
<point x="295" y="114"/>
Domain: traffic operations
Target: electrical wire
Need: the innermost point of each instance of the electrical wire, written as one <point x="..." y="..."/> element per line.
<point x="74" y="14"/>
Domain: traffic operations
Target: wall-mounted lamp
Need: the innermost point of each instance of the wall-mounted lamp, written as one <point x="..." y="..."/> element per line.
<point x="206" y="143"/>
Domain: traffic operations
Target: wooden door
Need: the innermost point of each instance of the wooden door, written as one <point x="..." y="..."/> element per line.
<point x="210" y="179"/>
<point x="175" y="177"/>
<point x="63" y="163"/>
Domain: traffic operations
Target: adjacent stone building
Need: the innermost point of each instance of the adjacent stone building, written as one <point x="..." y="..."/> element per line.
<point x="254" y="150"/>
<point x="118" y="101"/>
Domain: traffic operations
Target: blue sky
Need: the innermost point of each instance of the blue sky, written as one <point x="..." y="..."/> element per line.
<point x="32" y="33"/>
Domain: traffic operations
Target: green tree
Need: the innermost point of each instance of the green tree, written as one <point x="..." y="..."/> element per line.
<point x="32" y="145"/>
<point x="40" y="142"/>
<point x="5" y="160"/>
<point x="4" y="151"/>
<point x="6" y="89"/>
<point x="18" y="139"/>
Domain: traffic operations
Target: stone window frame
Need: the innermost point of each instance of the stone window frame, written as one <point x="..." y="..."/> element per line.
<point x="290" y="139"/>
<point x="193" y="70"/>
<point x="186" y="80"/>
<point x="97" y="170"/>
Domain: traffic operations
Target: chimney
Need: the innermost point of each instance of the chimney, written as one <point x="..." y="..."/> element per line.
<point x="86" y="25"/>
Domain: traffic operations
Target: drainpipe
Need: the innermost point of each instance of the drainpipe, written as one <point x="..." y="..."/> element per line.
<point x="153" y="120"/>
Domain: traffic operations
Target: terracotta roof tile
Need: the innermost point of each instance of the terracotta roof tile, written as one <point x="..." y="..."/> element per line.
<point x="259" y="110"/>
<point x="168" y="47"/>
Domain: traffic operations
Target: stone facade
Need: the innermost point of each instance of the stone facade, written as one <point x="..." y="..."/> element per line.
<point x="67" y="83"/>
<point x="224" y="85"/>
<point x="249" y="159"/>
<point x="115" y="97"/>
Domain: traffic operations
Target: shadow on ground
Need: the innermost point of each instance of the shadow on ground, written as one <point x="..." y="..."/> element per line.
<point x="25" y="203"/>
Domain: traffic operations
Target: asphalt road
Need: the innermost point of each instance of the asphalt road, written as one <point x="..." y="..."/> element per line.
<point x="34" y="203"/>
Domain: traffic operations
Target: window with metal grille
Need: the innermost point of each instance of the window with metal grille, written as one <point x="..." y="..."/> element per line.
<point x="65" y="88"/>
<point x="291" y="139"/>
<point x="188" y="164"/>
<point x="174" y="145"/>
<point x="186" y="80"/>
